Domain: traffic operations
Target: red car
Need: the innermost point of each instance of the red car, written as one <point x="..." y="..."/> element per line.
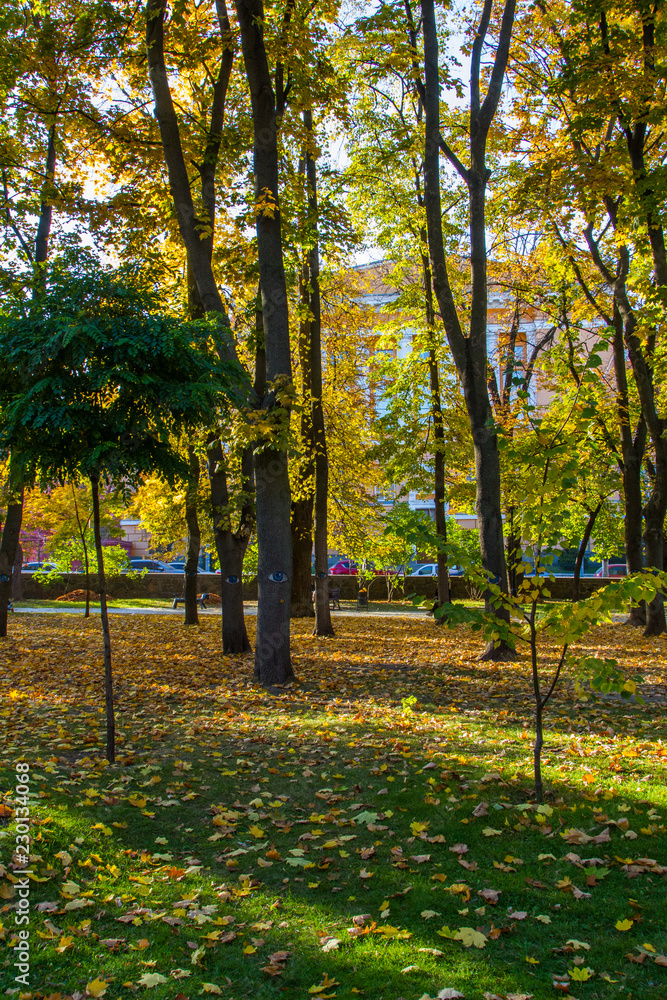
<point x="615" y="569"/>
<point x="344" y="567"/>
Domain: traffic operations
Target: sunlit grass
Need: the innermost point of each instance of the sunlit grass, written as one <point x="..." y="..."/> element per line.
<point x="342" y="744"/>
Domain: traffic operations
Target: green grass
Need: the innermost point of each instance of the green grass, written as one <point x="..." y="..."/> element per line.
<point x="304" y="772"/>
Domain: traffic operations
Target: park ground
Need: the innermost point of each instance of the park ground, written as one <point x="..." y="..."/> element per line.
<point x="368" y="831"/>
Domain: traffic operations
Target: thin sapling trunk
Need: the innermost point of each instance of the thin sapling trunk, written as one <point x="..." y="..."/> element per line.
<point x="194" y="540"/>
<point x="108" y="676"/>
<point x="82" y="536"/>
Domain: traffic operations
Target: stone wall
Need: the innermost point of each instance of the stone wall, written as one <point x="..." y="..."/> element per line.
<point x="169" y="585"/>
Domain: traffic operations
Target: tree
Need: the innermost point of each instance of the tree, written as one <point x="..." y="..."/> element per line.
<point x="97" y="384"/>
<point x="66" y="513"/>
<point x="590" y="85"/>
<point x="469" y="349"/>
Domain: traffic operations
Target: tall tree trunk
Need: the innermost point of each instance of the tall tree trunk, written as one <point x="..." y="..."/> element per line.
<point x="17" y="589"/>
<point x="194" y="540"/>
<point x="323" y="624"/>
<point x="104" y="614"/>
<point x="230" y="547"/>
<point x="470" y="352"/>
<point x="302" y="503"/>
<point x="10" y="540"/>
<point x="632" y="453"/>
<point x="588" y="530"/>
<point x="654" y="521"/>
<point x="272" y="650"/>
<point x="14" y="518"/>
<point x="302" y="553"/>
<point x="438" y="436"/>
<point x="656" y="506"/>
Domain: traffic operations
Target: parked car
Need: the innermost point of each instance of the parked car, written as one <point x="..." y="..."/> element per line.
<point x="152" y="565"/>
<point x="431" y="569"/>
<point x="615" y="569"/>
<point x="344" y="567"/>
<point x="176" y="567"/>
<point x="32" y="567"/>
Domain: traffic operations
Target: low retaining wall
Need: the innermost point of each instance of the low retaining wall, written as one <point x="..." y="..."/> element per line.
<point x="169" y="585"/>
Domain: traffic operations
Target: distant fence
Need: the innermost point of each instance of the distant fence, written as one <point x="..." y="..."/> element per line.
<point x="171" y="584"/>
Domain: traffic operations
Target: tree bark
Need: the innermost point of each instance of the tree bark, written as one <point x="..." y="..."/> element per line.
<point x="438" y="437"/>
<point x="470" y="352"/>
<point x="14" y="518"/>
<point x="82" y="536"/>
<point x="632" y="453"/>
<point x="17" y="588"/>
<point x="10" y="540"/>
<point x="588" y="530"/>
<point x="230" y="545"/>
<point x="272" y="651"/>
<point x="656" y="506"/>
<point x="194" y="540"/>
<point x="323" y="624"/>
<point x="104" y="614"/>
<point x="302" y="553"/>
<point x="196" y="230"/>
<point x="302" y="503"/>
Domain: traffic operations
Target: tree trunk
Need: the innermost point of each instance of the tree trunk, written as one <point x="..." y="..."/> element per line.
<point x="302" y="553"/>
<point x="588" y="530"/>
<point x="632" y="454"/>
<point x="272" y="650"/>
<point x="654" y="520"/>
<point x="194" y="540"/>
<point x="470" y="352"/>
<point x="82" y="536"/>
<point x="108" y="677"/>
<point x="302" y="503"/>
<point x="230" y="546"/>
<point x="10" y="540"/>
<point x="656" y="506"/>
<point x="438" y="436"/>
<point x="231" y="552"/>
<point x="17" y="589"/>
<point x="514" y="556"/>
<point x="323" y="624"/>
<point x="12" y="527"/>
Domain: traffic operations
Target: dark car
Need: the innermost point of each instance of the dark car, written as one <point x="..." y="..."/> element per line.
<point x="151" y="565"/>
<point x="32" y="567"/>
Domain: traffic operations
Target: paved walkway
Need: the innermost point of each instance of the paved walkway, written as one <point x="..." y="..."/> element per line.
<point x="418" y="613"/>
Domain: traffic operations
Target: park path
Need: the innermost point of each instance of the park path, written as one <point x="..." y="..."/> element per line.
<point x="418" y="613"/>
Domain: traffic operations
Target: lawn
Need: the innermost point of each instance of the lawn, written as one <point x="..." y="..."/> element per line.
<point x="367" y="832"/>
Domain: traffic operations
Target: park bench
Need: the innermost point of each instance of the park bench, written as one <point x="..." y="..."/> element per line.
<point x="201" y="601"/>
<point x="334" y="598"/>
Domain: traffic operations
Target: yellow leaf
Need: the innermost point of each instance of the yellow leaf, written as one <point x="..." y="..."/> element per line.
<point x="326" y="984"/>
<point x="532" y="961"/>
<point x="256" y="831"/>
<point x="580" y="974"/>
<point x="97" y="988"/>
<point x="624" y="925"/>
<point x="211" y="988"/>
<point x="151" y="979"/>
<point x="249" y="949"/>
<point x="470" y="938"/>
<point x="64" y="944"/>
<point x="488" y="831"/>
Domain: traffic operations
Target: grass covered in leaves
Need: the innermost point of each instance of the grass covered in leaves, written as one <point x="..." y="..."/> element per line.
<point x="338" y="838"/>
